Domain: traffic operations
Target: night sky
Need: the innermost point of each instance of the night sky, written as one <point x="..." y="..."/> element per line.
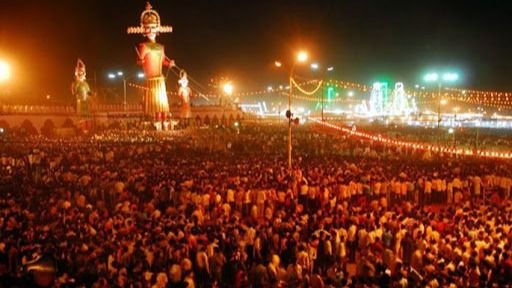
<point x="365" y="40"/>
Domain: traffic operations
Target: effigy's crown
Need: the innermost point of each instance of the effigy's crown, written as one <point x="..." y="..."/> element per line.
<point x="80" y="68"/>
<point x="149" y="19"/>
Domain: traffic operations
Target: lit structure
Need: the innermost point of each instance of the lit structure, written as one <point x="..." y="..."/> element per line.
<point x="152" y="57"/>
<point x="378" y="99"/>
<point x="80" y="89"/>
<point x="184" y="94"/>
<point x="401" y="103"/>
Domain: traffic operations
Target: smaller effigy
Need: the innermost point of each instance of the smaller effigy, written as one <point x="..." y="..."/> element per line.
<point x="81" y="90"/>
<point x="184" y="94"/>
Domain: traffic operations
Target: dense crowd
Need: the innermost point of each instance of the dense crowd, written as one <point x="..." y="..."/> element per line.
<point x="219" y="208"/>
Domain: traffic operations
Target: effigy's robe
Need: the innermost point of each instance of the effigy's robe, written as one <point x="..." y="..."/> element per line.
<point x="155" y="98"/>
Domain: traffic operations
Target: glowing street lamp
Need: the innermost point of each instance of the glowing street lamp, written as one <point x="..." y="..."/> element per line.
<point x="329" y="69"/>
<point x="5" y="71"/>
<point x="278" y="64"/>
<point x="445" y="77"/>
<point x="450" y="77"/>
<point x="228" y="88"/>
<point x="431" y="77"/>
<point x="120" y="75"/>
<point x="302" y="56"/>
<point x="350" y="93"/>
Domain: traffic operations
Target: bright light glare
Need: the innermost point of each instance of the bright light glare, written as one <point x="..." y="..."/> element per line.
<point x="431" y="77"/>
<point x="444" y="101"/>
<point x="314" y="66"/>
<point x="5" y="71"/>
<point x="350" y="93"/>
<point x="450" y="130"/>
<point x="120" y="73"/>
<point x="330" y="69"/>
<point x="111" y="75"/>
<point x="278" y="64"/>
<point x="228" y="88"/>
<point x="302" y="56"/>
<point x="140" y="75"/>
<point x="269" y="88"/>
<point x="450" y="77"/>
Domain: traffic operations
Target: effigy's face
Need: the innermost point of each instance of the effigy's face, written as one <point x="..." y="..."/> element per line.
<point x="151" y="31"/>
<point x="80" y="75"/>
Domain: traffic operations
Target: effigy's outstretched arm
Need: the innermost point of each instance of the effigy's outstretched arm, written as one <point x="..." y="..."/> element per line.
<point x="168" y="62"/>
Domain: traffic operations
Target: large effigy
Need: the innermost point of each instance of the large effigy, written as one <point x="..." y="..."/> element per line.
<point x="81" y="90"/>
<point x="151" y="56"/>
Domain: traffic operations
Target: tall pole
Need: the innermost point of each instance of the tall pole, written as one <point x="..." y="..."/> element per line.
<point x="290" y="124"/>
<point x="124" y="94"/>
<point x="439" y="105"/>
<point x="322" y="95"/>
<point x="476" y="140"/>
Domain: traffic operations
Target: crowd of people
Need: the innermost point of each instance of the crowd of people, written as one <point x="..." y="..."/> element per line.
<point x="220" y="208"/>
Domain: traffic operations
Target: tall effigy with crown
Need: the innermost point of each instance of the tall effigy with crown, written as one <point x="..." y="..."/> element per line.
<point x="80" y="89"/>
<point x="152" y="57"/>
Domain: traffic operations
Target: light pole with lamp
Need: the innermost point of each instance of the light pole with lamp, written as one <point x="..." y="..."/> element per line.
<point x="5" y="75"/>
<point x="447" y="78"/>
<point x="121" y="75"/>
<point x="315" y="66"/>
<point x="455" y="110"/>
<point x="228" y="89"/>
<point x="302" y="57"/>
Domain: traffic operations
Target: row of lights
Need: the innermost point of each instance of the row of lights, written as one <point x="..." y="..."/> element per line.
<point x="420" y="146"/>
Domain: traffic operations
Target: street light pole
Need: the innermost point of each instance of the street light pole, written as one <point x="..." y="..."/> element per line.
<point x="301" y="57"/>
<point x="439" y="105"/>
<point x="289" y="147"/>
<point x="322" y="95"/>
<point x="124" y="94"/>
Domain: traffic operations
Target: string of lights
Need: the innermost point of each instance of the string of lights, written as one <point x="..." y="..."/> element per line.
<point x="304" y="91"/>
<point x="495" y="99"/>
<point x="415" y="145"/>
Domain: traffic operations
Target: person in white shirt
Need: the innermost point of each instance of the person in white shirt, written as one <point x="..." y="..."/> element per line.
<point x="477" y="186"/>
<point x="428" y="191"/>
